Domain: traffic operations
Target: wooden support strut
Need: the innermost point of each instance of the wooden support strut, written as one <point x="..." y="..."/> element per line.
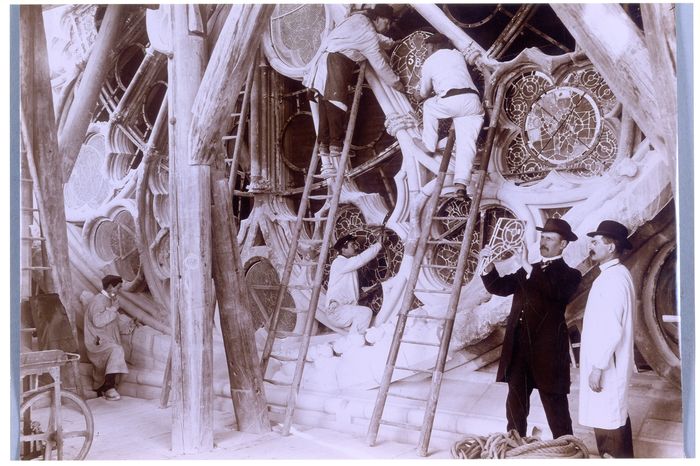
<point x="245" y="378"/>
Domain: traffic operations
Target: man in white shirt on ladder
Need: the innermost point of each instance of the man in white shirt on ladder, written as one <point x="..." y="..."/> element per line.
<point x="445" y="74"/>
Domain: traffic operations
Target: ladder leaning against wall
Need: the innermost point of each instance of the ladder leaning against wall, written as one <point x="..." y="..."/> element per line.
<point x="332" y="199"/>
<point x="447" y="321"/>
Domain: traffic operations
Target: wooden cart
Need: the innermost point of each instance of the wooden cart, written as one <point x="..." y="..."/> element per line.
<point x="54" y="423"/>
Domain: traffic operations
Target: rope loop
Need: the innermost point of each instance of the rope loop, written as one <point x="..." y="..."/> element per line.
<point x="511" y="445"/>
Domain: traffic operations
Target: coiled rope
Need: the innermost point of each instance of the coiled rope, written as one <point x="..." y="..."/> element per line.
<point x="512" y="445"/>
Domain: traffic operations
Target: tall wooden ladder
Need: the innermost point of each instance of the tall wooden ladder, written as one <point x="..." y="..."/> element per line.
<point x="333" y="196"/>
<point x="423" y="243"/>
<point x="239" y="117"/>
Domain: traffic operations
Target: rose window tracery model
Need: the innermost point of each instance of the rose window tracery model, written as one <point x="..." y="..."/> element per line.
<point x="115" y="242"/>
<point x="566" y="124"/>
<point x="445" y="256"/>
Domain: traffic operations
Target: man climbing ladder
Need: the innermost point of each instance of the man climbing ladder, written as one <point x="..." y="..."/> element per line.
<point x="357" y="38"/>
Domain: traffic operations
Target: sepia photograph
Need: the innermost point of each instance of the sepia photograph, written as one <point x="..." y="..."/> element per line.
<point x="351" y="231"/>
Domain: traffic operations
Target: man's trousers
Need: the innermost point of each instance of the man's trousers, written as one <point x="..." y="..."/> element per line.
<point x="468" y="116"/>
<point x="615" y="442"/>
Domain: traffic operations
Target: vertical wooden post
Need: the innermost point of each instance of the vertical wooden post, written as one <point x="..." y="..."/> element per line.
<point x="245" y="376"/>
<point x="190" y="246"/>
<point x="81" y="111"/>
<point x="41" y="145"/>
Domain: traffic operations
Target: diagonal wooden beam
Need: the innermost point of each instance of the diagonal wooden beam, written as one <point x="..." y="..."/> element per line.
<point x="225" y="75"/>
<point x="85" y="102"/>
<point x="43" y="157"/>
<point x="619" y="52"/>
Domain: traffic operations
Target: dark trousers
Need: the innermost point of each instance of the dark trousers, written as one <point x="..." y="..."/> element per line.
<point x="520" y="386"/>
<point x="331" y="124"/>
<point x="110" y="382"/>
<point x="615" y="442"/>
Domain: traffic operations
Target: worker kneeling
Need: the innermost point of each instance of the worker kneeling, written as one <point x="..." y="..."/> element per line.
<point x="103" y="340"/>
<point x="343" y="286"/>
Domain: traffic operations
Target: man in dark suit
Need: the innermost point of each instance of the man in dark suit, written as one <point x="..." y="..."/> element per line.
<point x="535" y="351"/>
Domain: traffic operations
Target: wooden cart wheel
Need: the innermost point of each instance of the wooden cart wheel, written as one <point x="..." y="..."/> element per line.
<point x="39" y="435"/>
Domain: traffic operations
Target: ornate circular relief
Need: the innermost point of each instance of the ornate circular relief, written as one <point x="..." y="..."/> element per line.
<point x="562" y="125"/>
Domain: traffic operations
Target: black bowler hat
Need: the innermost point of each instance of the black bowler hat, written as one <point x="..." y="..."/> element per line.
<point x="614" y="230"/>
<point x="557" y="225"/>
<point x="437" y="39"/>
<point x="343" y="241"/>
<point x="383" y="10"/>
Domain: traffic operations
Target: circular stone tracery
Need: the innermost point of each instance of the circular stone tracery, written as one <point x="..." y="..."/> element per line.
<point x="562" y="125"/>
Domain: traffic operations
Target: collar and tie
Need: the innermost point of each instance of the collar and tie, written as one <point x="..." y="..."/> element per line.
<point x="546" y="263"/>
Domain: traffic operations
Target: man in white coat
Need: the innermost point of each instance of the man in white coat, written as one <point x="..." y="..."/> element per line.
<point x="343" y="286"/>
<point x="357" y="38"/>
<point x="607" y="344"/>
<point x="103" y="340"/>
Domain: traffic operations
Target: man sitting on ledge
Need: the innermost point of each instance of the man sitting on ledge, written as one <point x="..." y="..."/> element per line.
<point x="102" y="338"/>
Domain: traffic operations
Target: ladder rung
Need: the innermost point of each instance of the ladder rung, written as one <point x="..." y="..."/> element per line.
<point x="314" y="219"/>
<point x="444" y="241"/>
<point x="26" y="180"/>
<point x="410" y="369"/>
<point x="451" y="218"/>
<point x="299" y="287"/>
<point x="280" y="357"/>
<point x="34" y="238"/>
<point x="305" y="263"/>
<point x="228" y="138"/>
<point x="423" y="290"/>
<point x="279" y="409"/>
<point x="432" y="266"/>
<point x="265" y="287"/>
<point x="36" y="267"/>
<point x="427" y="317"/>
<point x="277" y="382"/>
<point x="319" y="196"/>
<point x="288" y="334"/>
<point x="407" y="397"/>
<point x="235" y="114"/>
<point x="423" y="343"/>
<point x="29" y="209"/>
<point x="295" y="310"/>
<point x="400" y="425"/>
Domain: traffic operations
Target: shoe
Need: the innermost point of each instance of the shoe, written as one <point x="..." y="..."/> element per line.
<point x="112" y="395"/>
<point x="335" y="151"/>
<point x="326" y="174"/>
<point x="460" y="191"/>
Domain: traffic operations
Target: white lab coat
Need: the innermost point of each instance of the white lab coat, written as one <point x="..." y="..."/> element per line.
<point x="343" y="283"/>
<point x="607" y="343"/>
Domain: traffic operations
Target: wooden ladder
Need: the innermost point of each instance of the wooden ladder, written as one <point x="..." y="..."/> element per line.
<point x="240" y="115"/>
<point x="334" y="186"/>
<point x="424" y="241"/>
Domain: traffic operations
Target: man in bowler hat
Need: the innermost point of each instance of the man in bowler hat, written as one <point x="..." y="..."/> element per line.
<point x="535" y="352"/>
<point x="607" y="344"/>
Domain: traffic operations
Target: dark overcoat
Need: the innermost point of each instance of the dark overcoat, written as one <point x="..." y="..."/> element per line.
<point x="539" y="304"/>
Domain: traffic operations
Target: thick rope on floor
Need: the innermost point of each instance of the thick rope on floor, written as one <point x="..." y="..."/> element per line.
<point x="512" y="445"/>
